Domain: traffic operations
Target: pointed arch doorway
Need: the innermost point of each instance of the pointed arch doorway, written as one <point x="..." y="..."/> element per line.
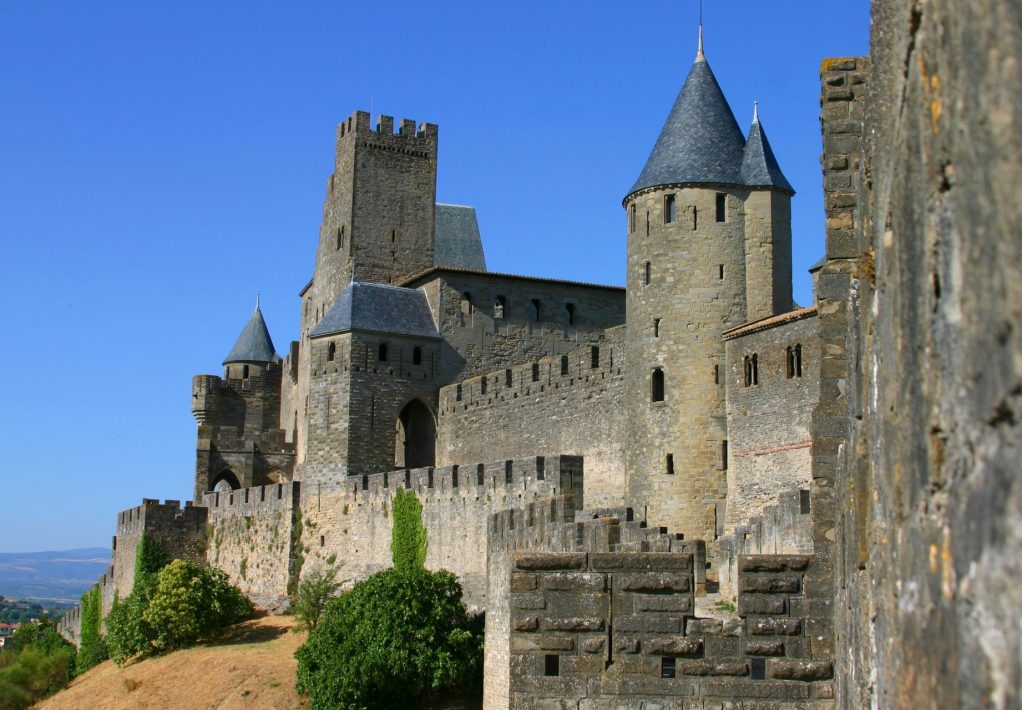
<point x="415" y="445"/>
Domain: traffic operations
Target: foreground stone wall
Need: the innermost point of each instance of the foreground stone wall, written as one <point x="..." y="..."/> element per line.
<point x="932" y="534"/>
<point x="599" y="630"/>
<point x="565" y="403"/>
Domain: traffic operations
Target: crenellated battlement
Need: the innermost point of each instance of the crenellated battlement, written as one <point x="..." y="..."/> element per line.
<point x="252" y="501"/>
<point x="408" y="138"/>
<point x="134" y="521"/>
<point x="592" y="366"/>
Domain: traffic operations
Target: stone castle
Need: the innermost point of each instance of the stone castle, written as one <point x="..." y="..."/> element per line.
<point x="592" y="461"/>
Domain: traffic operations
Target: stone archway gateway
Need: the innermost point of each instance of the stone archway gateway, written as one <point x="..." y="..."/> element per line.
<point x="225" y="482"/>
<point x="415" y="444"/>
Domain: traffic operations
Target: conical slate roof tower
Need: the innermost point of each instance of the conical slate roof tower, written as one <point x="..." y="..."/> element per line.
<point x="254" y="344"/>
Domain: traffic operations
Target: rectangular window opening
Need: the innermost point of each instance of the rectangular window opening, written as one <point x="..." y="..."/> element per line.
<point x="595" y="357"/>
<point x="508" y="378"/>
<point x="656" y="327"/>
<point x="804" y="505"/>
<point x="657" y="388"/>
<point x="723" y="454"/>
<point x="720" y="271"/>
<point x="535" y="372"/>
<point x="537" y="308"/>
<point x="647" y="272"/>
<point x="552" y="665"/>
<point x="721" y="207"/>
<point x="571" y="313"/>
<point x="668" y="667"/>
<point x="670" y="464"/>
<point x="564" y="364"/>
<point x="669" y="203"/>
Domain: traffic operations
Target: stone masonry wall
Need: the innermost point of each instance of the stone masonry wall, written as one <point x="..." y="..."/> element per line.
<point x="931" y="496"/>
<point x="607" y="630"/>
<point x="534" y="409"/>
<point x="251" y="538"/>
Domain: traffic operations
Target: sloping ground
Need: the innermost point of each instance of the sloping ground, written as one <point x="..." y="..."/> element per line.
<point x="252" y="667"/>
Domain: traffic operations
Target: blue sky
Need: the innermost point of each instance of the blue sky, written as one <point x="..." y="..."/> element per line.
<point x="161" y="162"/>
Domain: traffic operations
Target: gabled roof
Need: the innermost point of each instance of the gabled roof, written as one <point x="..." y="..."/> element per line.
<point x="457" y="238"/>
<point x="759" y="166"/>
<point x="254" y="343"/>
<point x="380" y="308"/>
<point x="701" y="142"/>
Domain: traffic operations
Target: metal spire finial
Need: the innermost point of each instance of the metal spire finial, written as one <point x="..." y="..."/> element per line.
<point x="257" y="300"/>
<point x="699" y="54"/>
<point x="755" y="111"/>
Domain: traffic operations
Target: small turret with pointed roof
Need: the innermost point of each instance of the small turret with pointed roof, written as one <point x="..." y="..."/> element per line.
<point x="254" y="344"/>
<point x="759" y="166"/>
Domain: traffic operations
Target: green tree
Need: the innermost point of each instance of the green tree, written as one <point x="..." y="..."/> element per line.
<point x="395" y="640"/>
<point x="37" y="663"/>
<point x="408" y="537"/>
<point x="191" y="603"/>
<point x="313" y="594"/>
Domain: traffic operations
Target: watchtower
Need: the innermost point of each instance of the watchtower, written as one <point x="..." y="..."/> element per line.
<point x="709" y="248"/>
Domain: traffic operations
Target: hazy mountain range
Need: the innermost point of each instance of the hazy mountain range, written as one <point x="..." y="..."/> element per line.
<point x="62" y="575"/>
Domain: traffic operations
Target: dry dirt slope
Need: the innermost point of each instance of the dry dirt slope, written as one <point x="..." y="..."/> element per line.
<point x="253" y="667"/>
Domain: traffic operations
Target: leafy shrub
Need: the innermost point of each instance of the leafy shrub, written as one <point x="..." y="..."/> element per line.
<point x="128" y="634"/>
<point x="191" y="603"/>
<point x="408" y="536"/>
<point x="37" y="663"/>
<point x="313" y="594"/>
<point x="396" y="639"/>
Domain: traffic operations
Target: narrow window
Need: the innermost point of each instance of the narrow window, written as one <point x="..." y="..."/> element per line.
<point x="755" y="369"/>
<point x="669" y="209"/>
<point x="721" y="207"/>
<point x="508" y="378"/>
<point x="657" y="388"/>
<point x="552" y="665"/>
<point x="457" y="394"/>
<point x="716" y="374"/>
<point x="789" y="362"/>
<point x="535" y="372"/>
<point x="667" y="667"/>
<point x="244" y="372"/>
<point x="499" y="306"/>
<point x="571" y="313"/>
<point x="631" y="218"/>
<point x="482" y="386"/>
<point x="647" y="272"/>
<point x="340" y="237"/>
<point x="480" y="470"/>
<point x="322" y="540"/>
<point x="454" y="477"/>
<point x="595" y="357"/>
<point x="393" y="236"/>
<point x="798" y="360"/>
<point x="720" y="271"/>
<point x="804" y="505"/>
<point x="723" y="454"/>
<point x="331" y="350"/>
<point x="508" y="471"/>
<point x="747" y="370"/>
<point x="670" y="464"/>
<point x="656" y="327"/>
<point x="647" y="223"/>
<point x="417" y="355"/>
<point x="536" y="309"/>
<point x="382" y="354"/>
<point x="564" y="364"/>
<point x="695" y="218"/>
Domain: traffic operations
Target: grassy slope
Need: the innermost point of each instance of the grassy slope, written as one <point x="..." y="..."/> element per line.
<point x="252" y="667"/>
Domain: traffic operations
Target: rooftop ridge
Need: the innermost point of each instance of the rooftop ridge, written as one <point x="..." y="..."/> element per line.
<point x="460" y="270"/>
<point x="769" y="321"/>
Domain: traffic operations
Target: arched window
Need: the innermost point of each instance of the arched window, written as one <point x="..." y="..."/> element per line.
<point x="382" y="354"/>
<point x="751" y="370"/>
<point x="417" y="356"/>
<point x="331" y="351"/>
<point x="499" y="307"/>
<point x="657" y="385"/>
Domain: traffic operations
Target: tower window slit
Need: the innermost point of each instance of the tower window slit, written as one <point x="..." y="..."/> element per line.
<point x="669" y="205"/>
<point x="564" y="364"/>
<point x="657" y="385"/>
<point x="647" y="272"/>
<point x="631" y="218"/>
<point x="331" y="351"/>
<point x="670" y="464"/>
<point x="656" y="327"/>
<point x="595" y="357"/>
<point x="382" y="352"/>
<point x="508" y="378"/>
<point x="417" y="356"/>
<point x="721" y="207"/>
<point x="570" y="307"/>
<point x="751" y="363"/>
<point x="535" y="372"/>
<point x="536" y="309"/>
<point x="720" y="271"/>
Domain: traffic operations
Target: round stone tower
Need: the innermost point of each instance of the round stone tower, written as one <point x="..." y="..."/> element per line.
<point x="709" y="248"/>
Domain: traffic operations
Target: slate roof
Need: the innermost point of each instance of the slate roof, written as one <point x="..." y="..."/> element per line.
<point x="759" y="166"/>
<point x="381" y="308"/>
<point x="254" y="343"/>
<point x="457" y="238"/>
<point x="819" y="264"/>
<point x="701" y="142"/>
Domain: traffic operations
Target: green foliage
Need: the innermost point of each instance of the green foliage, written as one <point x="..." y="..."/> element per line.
<point x="394" y="641"/>
<point x="41" y="636"/>
<point x="191" y="603"/>
<point x="91" y="646"/>
<point x="298" y="561"/>
<point x="408" y="537"/>
<point x="32" y="673"/>
<point x="128" y="633"/>
<point x="312" y="596"/>
<point x="149" y="557"/>
<point x="243" y="567"/>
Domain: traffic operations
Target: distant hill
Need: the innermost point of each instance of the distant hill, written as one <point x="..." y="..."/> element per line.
<point x="57" y="576"/>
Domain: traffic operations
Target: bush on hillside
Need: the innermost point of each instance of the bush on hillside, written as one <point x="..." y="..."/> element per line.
<point x="37" y="663"/>
<point x="312" y="596"/>
<point x="393" y="641"/>
<point x="191" y="603"/>
<point x="91" y="644"/>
